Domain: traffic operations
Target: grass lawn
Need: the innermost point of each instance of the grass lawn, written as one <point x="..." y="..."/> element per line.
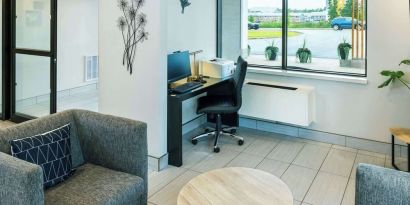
<point x="261" y="34"/>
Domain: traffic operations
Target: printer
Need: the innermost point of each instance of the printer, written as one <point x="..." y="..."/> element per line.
<point x="218" y="68"/>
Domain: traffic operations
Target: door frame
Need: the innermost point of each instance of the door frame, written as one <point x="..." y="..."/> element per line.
<point x="6" y="59"/>
<point x="52" y="54"/>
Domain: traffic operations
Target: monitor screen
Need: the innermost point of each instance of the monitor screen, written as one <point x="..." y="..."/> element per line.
<point x="179" y="66"/>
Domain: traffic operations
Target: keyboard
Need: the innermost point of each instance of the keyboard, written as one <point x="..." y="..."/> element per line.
<point x="187" y="87"/>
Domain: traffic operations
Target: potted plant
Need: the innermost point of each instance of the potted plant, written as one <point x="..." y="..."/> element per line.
<point x="271" y="52"/>
<point x="343" y="50"/>
<point x="395" y="75"/>
<point x="304" y="55"/>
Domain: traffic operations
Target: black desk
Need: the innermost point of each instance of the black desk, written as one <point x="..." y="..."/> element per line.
<point x="175" y="117"/>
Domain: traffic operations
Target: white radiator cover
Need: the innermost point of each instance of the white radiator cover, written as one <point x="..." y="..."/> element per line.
<point x="296" y="107"/>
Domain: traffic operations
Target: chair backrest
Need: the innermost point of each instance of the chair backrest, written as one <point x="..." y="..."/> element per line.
<point x="238" y="80"/>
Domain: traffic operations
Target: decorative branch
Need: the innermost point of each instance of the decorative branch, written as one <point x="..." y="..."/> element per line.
<point x="184" y="4"/>
<point x="132" y="27"/>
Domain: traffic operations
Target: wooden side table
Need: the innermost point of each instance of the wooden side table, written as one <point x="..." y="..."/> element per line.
<point x="235" y="186"/>
<point x="401" y="134"/>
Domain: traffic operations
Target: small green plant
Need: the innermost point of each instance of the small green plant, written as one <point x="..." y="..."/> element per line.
<point x="343" y="50"/>
<point x="304" y="55"/>
<point x="271" y="52"/>
<point x="395" y="75"/>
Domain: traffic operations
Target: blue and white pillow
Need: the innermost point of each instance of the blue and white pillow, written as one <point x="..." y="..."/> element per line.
<point x="51" y="150"/>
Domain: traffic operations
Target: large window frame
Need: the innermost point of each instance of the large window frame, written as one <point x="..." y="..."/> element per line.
<point x="284" y="49"/>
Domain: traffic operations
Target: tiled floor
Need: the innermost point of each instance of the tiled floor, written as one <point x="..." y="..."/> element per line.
<point x="87" y="100"/>
<point x="317" y="173"/>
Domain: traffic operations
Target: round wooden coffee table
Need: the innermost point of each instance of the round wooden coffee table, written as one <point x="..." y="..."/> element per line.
<point x="235" y="186"/>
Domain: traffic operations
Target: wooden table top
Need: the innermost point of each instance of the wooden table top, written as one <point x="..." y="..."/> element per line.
<point x="402" y="134"/>
<point x="236" y="186"/>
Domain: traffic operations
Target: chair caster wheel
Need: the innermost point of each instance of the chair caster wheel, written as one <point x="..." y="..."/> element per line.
<point x="194" y="142"/>
<point x="241" y="142"/>
<point x="217" y="150"/>
<point x="233" y="131"/>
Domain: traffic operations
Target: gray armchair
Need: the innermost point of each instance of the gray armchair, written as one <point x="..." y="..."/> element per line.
<point x="381" y="186"/>
<point x="109" y="154"/>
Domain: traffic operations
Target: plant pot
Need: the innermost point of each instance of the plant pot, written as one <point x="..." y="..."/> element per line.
<point x="304" y="57"/>
<point x="345" y="63"/>
<point x="271" y="56"/>
<point x="358" y="63"/>
<point x="344" y="53"/>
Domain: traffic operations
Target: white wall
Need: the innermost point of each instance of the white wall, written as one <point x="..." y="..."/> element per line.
<point x="141" y="96"/>
<point x="194" y="30"/>
<point x="364" y="111"/>
<point x="77" y="38"/>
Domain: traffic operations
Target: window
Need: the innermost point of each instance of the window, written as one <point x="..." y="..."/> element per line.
<point x="320" y="36"/>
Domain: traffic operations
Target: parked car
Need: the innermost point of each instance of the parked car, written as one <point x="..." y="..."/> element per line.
<point x="341" y="23"/>
<point x="254" y="26"/>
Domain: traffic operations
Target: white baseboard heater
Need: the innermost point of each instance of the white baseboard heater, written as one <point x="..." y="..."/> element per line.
<point x="290" y="104"/>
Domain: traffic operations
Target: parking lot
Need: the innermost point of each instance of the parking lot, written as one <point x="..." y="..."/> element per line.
<point x="322" y="42"/>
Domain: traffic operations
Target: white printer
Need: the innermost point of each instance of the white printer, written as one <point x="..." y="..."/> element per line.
<point x="218" y="68"/>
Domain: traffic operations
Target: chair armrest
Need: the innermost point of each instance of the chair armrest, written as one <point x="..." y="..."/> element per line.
<point x="21" y="182"/>
<point x="113" y="142"/>
<point x="377" y="186"/>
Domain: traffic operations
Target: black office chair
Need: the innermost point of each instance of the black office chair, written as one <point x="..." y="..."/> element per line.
<point x="224" y="104"/>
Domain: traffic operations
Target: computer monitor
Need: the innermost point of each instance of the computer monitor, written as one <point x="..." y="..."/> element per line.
<point x="179" y="66"/>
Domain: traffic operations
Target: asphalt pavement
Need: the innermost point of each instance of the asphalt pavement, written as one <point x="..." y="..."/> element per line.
<point x="322" y="42"/>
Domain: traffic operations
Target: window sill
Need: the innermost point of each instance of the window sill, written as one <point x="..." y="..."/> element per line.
<point x="328" y="77"/>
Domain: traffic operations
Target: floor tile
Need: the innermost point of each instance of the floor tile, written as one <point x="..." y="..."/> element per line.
<point x="169" y="194"/>
<point x="274" y="167"/>
<point x="261" y="147"/>
<point x="245" y="160"/>
<point x="311" y="156"/>
<point x="194" y="156"/>
<point x="399" y="161"/>
<point x="349" y="197"/>
<point x="286" y="151"/>
<point x="227" y="142"/>
<point x="344" y="148"/>
<point x="367" y="159"/>
<point x="339" y="162"/>
<point x="373" y="154"/>
<point x="215" y="160"/>
<point x="327" y="189"/>
<point x="315" y="142"/>
<point x="299" y="180"/>
<point x="157" y="180"/>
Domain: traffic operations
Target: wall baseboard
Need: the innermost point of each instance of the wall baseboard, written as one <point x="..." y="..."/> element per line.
<point x="331" y="138"/>
<point x="157" y="164"/>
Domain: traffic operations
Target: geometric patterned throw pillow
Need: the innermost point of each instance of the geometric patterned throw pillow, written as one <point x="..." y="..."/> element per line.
<point x="51" y="150"/>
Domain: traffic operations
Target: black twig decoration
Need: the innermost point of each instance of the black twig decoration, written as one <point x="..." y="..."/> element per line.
<point x="132" y="26"/>
<point x="184" y="3"/>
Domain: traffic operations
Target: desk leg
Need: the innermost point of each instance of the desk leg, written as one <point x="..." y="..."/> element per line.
<point x="408" y="157"/>
<point x="174" y="132"/>
<point x="393" y="163"/>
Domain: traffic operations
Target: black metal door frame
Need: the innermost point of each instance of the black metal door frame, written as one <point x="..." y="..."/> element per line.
<point x="52" y="54"/>
<point x="6" y="53"/>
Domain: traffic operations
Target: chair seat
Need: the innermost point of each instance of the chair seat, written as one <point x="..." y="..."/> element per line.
<point x="216" y="104"/>
<point x="92" y="185"/>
